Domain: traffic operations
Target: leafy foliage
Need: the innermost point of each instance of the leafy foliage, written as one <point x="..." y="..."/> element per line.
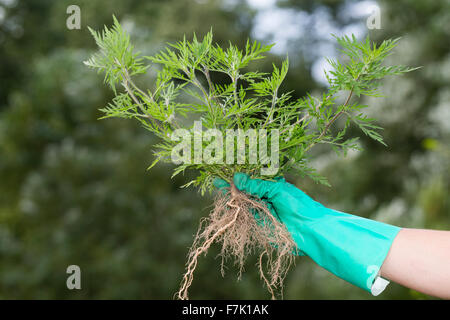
<point x="249" y="100"/>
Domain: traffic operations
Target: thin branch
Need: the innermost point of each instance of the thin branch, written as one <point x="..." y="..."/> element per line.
<point x="327" y="126"/>
<point x="193" y="79"/>
<point x="272" y="107"/>
<point x="235" y="96"/>
<point x="205" y="71"/>
<point x="306" y="116"/>
<point x="135" y="99"/>
<point x="127" y="80"/>
<point x="336" y="116"/>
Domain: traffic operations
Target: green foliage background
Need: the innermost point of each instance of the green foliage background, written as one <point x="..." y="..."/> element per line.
<point x="75" y="190"/>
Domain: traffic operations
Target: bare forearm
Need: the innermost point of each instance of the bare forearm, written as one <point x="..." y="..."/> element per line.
<point x="420" y="259"/>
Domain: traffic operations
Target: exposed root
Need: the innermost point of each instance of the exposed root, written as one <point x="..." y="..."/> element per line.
<point x="243" y="225"/>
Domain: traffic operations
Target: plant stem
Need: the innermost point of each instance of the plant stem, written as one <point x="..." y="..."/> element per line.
<point x="327" y="126"/>
<point x="205" y="71"/>
<point x="194" y="80"/>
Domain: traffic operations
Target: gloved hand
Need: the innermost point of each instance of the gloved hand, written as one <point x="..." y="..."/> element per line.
<point x="351" y="247"/>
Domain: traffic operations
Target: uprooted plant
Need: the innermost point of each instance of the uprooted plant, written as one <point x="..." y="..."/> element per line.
<point x="188" y="97"/>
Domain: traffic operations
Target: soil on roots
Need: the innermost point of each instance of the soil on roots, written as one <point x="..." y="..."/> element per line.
<point x="243" y="225"/>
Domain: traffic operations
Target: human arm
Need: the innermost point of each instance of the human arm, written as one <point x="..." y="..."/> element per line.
<point x="353" y="248"/>
<point x="420" y="259"/>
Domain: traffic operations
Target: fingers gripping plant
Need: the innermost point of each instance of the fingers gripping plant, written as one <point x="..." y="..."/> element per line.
<point x="186" y="99"/>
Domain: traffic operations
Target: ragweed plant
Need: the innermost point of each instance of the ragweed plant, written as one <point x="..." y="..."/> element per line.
<point x="185" y="96"/>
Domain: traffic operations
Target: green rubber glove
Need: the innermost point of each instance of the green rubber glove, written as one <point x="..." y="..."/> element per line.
<point x="351" y="247"/>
